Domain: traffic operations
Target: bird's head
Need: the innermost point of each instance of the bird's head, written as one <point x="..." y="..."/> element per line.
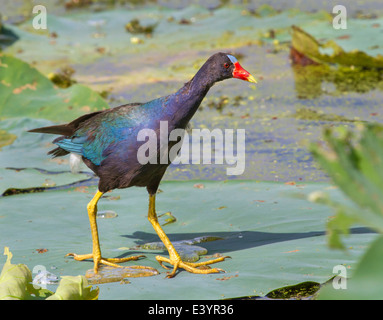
<point x="223" y="66"/>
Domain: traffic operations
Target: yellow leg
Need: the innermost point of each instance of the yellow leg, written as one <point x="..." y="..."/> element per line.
<point x="96" y="254"/>
<point x="174" y="258"/>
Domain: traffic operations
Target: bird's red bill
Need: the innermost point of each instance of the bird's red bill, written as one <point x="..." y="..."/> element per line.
<point x="242" y="74"/>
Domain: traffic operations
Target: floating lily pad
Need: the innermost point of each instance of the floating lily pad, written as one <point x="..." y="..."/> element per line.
<point x="302" y="291"/>
<point x="108" y="274"/>
<point x="299" y="291"/>
<point x="25" y="91"/>
<point x="307" y="45"/>
<point x="273" y="238"/>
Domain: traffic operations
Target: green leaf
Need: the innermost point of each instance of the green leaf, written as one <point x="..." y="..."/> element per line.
<point x="15" y="281"/>
<point x="25" y="91"/>
<point x="74" y="288"/>
<point x="16" y="284"/>
<point x="307" y="45"/>
<point x="355" y="165"/>
<point x="337" y="226"/>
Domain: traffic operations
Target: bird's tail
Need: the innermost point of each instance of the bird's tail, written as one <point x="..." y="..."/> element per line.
<point x="61" y="129"/>
<point x="66" y="129"/>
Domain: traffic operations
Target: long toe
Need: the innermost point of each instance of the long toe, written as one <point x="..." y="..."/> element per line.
<point x="198" y="268"/>
<point x="113" y="262"/>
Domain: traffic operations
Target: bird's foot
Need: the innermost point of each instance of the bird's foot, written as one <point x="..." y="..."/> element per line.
<point x="199" y="267"/>
<point x="99" y="260"/>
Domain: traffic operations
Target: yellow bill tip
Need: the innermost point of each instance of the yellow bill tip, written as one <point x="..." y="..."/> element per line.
<point x="250" y="78"/>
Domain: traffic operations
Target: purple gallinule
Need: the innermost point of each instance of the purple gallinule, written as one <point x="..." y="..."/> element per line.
<point x="107" y="142"/>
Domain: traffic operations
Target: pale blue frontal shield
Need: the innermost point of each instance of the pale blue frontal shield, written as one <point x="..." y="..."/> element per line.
<point x="232" y="58"/>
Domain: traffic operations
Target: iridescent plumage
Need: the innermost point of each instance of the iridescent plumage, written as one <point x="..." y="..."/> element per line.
<point x="107" y="142"/>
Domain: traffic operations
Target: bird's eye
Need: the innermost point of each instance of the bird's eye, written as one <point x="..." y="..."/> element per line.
<point x="226" y="65"/>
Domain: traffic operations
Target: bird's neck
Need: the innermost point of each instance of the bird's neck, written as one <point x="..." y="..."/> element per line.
<point x="186" y="101"/>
